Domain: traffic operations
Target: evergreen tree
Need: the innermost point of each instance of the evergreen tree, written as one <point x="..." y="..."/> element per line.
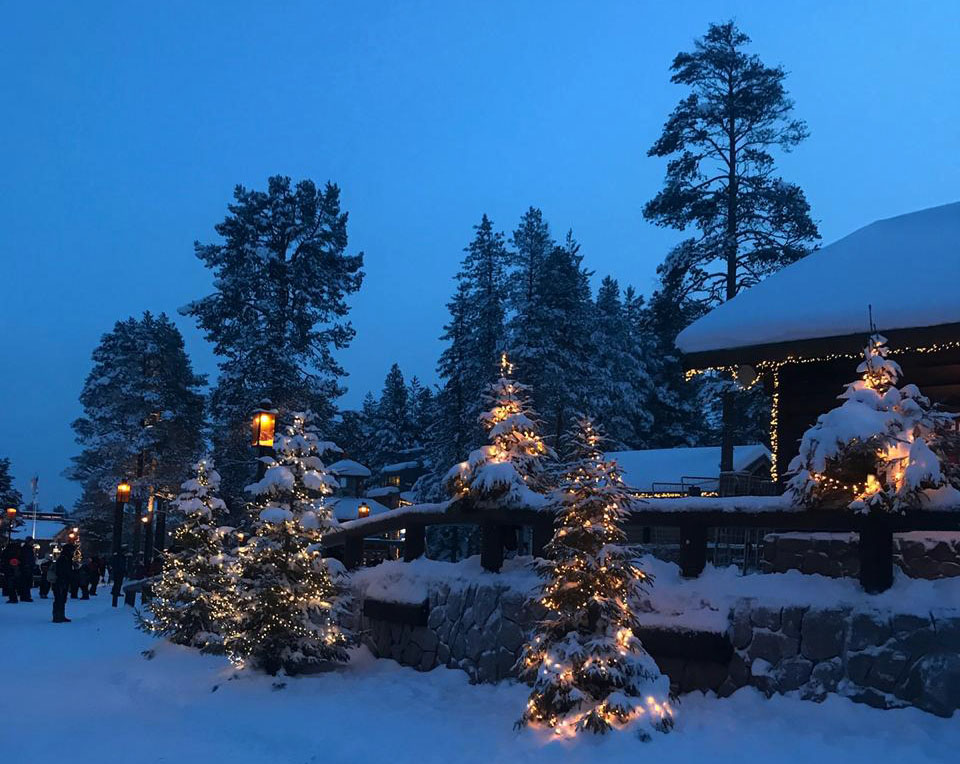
<point x="676" y="403"/>
<point x="143" y="416"/>
<point x="278" y="311"/>
<point x="588" y="669"/>
<point x="392" y="427"/>
<point x="565" y="312"/>
<point x="511" y="470"/>
<point x="196" y="579"/>
<point x="875" y="451"/>
<point x="620" y="387"/>
<point x="9" y="496"/>
<point x="483" y="270"/>
<point x="721" y="178"/>
<point x="289" y="606"/>
<point x="422" y="412"/>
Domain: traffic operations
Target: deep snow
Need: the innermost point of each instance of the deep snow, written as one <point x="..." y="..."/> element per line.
<point x="82" y="692"/>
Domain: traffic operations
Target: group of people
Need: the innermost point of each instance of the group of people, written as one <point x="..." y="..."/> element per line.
<point x="65" y="574"/>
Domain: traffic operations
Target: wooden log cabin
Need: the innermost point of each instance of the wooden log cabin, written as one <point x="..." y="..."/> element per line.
<point x="802" y="331"/>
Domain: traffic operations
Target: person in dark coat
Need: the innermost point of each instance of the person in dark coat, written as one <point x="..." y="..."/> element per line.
<point x="28" y="561"/>
<point x="63" y="570"/>
<point x="118" y="571"/>
<point x="83" y="573"/>
<point x="93" y="575"/>
<point x="11" y="571"/>
<point x="44" y="581"/>
<point x="74" y="578"/>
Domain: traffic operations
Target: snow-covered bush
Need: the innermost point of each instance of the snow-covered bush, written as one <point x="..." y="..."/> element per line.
<point x="588" y="669"/>
<point x="876" y="450"/>
<point x="289" y="603"/>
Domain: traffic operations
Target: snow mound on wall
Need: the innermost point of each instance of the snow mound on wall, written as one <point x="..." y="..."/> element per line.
<point x="826" y="294"/>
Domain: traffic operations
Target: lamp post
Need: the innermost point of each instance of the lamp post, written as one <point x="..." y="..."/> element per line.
<point x="123" y="496"/>
<point x="11" y="514"/>
<point x="148" y="534"/>
<point x="263" y="427"/>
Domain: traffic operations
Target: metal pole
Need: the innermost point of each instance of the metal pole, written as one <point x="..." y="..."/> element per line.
<point x="33" y="485"/>
<point x="148" y="536"/>
<point x="117" y="544"/>
<point x="160" y="531"/>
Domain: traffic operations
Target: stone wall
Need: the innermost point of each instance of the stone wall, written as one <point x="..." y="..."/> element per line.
<point x="883" y="660"/>
<point x="918" y="554"/>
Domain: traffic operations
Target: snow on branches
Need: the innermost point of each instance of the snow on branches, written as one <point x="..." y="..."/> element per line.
<point x="289" y="602"/>
<point x="876" y="451"/>
<point x="196" y="571"/>
<point x="510" y="471"/>
<point x="588" y="669"/>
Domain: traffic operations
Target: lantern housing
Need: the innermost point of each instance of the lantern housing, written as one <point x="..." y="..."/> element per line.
<point x="363" y="510"/>
<point x="11" y="513"/>
<point x="123" y="492"/>
<point x="264" y="425"/>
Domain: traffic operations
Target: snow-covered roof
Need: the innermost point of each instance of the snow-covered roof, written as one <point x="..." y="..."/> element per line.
<point x="400" y="466"/>
<point x="46" y="529"/>
<point x="348" y="468"/>
<point x="345" y="507"/>
<point x="643" y="469"/>
<point x="383" y="490"/>
<point x="906" y="267"/>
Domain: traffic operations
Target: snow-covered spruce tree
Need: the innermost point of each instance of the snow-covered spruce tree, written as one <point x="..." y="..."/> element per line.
<point x="289" y="603"/>
<point x="196" y="576"/>
<point x="392" y="426"/>
<point x="588" y="669"/>
<point x="511" y="470"/>
<point x="872" y="452"/>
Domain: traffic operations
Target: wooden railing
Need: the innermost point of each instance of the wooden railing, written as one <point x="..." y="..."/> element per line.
<point x="692" y="516"/>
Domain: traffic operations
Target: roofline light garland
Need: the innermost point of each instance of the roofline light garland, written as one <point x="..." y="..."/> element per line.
<point x="773" y="368"/>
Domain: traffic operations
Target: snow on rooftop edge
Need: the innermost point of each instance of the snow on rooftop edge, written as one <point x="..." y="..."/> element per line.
<point x="826" y="294"/>
<point x="642" y="468"/>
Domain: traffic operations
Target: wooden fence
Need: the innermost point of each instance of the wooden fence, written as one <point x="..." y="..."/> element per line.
<point x="875" y="532"/>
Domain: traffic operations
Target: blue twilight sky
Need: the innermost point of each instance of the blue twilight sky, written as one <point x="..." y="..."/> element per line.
<point x="126" y="125"/>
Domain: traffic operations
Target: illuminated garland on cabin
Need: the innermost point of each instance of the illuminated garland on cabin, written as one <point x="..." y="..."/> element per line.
<point x="773" y="368"/>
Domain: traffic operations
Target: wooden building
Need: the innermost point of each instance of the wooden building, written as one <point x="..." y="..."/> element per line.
<point x="802" y="331"/>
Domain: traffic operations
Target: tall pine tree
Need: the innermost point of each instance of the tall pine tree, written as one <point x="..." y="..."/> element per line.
<point x="278" y="312"/>
<point x="721" y="178"/>
<point x="143" y="416"/>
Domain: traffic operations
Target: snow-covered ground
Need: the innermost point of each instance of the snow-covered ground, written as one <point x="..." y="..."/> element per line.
<point x="82" y="692"/>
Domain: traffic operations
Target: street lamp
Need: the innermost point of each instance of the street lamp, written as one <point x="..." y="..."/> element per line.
<point x="123" y="496"/>
<point x="363" y="510"/>
<point x="263" y="428"/>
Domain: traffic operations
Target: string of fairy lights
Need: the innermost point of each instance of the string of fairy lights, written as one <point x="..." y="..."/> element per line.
<point x="773" y="369"/>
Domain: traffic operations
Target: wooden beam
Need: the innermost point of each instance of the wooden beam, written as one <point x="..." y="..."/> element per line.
<point x="491" y="547"/>
<point x="353" y="552"/>
<point x="693" y="548"/>
<point x="876" y="555"/>
<point x="542" y="533"/>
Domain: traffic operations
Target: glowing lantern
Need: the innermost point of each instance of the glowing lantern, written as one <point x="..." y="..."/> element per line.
<point x="264" y="424"/>
<point x="11" y="513"/>
<point x="123" y="492"/>
<point x="363" y="510"/>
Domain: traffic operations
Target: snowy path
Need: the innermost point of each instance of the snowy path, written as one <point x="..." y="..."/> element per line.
<point x="81" y="692"/>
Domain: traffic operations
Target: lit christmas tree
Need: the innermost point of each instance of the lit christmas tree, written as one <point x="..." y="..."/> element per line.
<point x="511" y="471"/>
<point x="588" y="669"/>
<point x="289" y="604"/>
<point x="196" y="577"/>
<point x="872" y="452"/>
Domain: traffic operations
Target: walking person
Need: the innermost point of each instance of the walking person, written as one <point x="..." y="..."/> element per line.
<point x="11" y="571"/>
<point x="62" y="578"/>
<point x="28" y="562"/>
<point x="118" y="571"/>
<point x="44" y="579"/>
<point x="74" y="577"/>
<point x="93" y="575"/>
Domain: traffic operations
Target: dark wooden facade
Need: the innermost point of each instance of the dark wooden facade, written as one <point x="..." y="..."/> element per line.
<point x="812" y="373"/>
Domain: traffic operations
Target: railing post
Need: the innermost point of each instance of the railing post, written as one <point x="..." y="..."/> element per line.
<point x="414" y="542"/>
<point x="876" y="554"/>
<point x="542" y="533"/>
<point x="491" y="548"/>
<point x="353" y="552"/>
<point x="693" y="549"/>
